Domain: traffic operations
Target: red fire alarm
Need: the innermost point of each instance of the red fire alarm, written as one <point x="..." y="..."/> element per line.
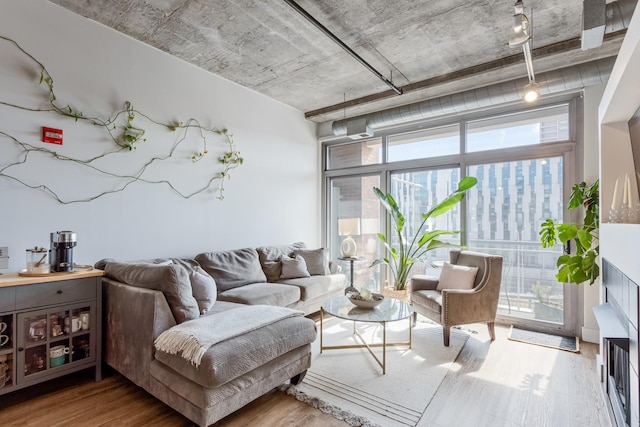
<point x="51" y="135"/>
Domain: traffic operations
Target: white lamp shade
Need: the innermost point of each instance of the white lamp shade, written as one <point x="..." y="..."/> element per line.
<point x="349" y="226"/>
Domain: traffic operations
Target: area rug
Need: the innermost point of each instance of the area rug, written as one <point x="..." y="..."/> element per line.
<point x="349" y="384"/>
<point x="546" y="340"/>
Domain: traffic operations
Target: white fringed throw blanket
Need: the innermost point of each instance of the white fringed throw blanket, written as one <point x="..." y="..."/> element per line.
<point x="193" y="338"/>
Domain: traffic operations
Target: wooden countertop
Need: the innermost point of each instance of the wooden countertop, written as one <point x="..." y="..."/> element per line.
<point x="14" y="279"/>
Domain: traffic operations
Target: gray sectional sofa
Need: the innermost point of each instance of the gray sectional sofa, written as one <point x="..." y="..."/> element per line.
<point x="242" y="311"/>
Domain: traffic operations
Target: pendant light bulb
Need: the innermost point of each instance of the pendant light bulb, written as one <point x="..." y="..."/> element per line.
<point x="531" y="92"/>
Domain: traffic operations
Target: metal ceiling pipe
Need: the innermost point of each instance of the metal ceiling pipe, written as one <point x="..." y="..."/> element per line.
<point x="552" y="82"/>
<point x="306" y="15"/>
<point x="618" y="15"/>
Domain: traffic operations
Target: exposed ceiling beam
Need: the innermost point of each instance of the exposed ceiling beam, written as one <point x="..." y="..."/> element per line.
<point x="538" y="53"/>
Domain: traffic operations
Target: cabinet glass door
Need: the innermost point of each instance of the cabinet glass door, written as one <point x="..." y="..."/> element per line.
<point x="53" y="340"/>
<point x="6" y="351"/>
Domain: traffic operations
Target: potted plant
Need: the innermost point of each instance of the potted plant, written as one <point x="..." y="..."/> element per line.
<point x="581" y="266"/>
<point x="412" y="248"/>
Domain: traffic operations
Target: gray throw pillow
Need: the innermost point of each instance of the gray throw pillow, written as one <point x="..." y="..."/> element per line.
<point x="316" y="259"/>
<point x="172" y="280"/>
<point x="270" y="258"/>
<point x="232" y="269"/>
<point x="203" y="287"/>
<point x="293" y="267"/>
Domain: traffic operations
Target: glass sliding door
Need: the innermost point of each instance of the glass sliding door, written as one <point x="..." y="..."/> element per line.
<point x="354" y="211"/>
<point x="525" y="159"/>
<point x="505" y="211"/>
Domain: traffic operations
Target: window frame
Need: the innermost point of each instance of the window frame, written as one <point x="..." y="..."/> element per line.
<point x="571" y="149"/>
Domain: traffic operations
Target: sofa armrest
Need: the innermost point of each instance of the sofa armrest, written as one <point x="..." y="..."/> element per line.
<point x="421" y="282"/>
<point x="334" y="267"/>
<point x="134" y="317"/>
<point x="468" y="306"/>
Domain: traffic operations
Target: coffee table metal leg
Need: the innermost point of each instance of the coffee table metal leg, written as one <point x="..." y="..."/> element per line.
<point x="382" y="362"/>
<point x="384" y="348"/>
<point x="321" y="316"/>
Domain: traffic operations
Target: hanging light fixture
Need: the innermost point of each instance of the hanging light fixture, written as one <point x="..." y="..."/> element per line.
<point x="521" y="35"/>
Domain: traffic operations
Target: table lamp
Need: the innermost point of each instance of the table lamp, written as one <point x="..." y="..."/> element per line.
<point x="348" y="227"/>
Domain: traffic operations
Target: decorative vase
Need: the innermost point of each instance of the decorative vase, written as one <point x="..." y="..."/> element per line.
<point x="348" y="247"/>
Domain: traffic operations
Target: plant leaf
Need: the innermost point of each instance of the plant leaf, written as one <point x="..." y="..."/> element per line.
<point x="548" y="234"/>
<point x="454" y="198"/>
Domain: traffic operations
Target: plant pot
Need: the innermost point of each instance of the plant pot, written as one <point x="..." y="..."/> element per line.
<point x="402" y="295"/>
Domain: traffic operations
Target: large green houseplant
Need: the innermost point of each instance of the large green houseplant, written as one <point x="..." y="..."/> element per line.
<point x="412" y="248"/>
<point x="581" y="266"/>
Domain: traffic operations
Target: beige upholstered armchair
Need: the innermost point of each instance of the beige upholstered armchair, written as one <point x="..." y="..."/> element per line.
<point x="474" y="299"/>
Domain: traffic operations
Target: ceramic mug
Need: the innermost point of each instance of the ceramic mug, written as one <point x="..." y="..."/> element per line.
<point x="84" y="320"/>
<point x="56" y="361"/>
<point x="3" y="340"/>
<point x="3" y="327"/>
<point x="58" y="351"/>
<point x="75" y="324"/>
<point x="56" y="355"/>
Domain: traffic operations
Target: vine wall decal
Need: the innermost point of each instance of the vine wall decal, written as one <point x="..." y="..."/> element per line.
<point x="124" y="134"/>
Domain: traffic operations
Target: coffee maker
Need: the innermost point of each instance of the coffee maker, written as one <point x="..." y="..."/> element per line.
<point x="61" y="258"/>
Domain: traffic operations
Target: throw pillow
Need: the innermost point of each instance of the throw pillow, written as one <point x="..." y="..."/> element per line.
<point x="294" y="267"/>
<point x="203" y="287"/>
<point x="172" y="280"/>
<point x="316" y="259"/>
<point x="270" y="258"/>
<point x="232" y="269"/>
<point x="457" y="277"/>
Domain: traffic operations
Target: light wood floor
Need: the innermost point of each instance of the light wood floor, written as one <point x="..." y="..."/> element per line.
<point x="504" y="383"/>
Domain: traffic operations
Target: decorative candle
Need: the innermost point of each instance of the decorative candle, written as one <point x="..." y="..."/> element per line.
<point x="614" y="202"/>
<point x="629" y="198"/>
<point x="625" y="191"/>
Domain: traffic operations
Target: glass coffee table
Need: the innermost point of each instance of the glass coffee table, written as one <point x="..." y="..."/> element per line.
<point x="390" y="310"/>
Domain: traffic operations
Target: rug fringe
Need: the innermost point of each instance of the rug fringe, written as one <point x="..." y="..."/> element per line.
<point x="340" y="414"/>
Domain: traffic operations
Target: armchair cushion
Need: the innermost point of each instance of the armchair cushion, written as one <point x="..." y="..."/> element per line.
<point x="457" y="277"/>
<point x="429" y="299"/>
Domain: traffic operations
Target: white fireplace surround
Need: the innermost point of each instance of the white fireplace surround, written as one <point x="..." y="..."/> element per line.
<point x="618" y="321"/>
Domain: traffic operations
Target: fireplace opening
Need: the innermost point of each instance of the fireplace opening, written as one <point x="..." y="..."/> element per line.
<point x="618" y="384"/>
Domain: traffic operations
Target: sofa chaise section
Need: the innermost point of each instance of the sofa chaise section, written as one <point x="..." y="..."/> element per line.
<point x="231" y="373"/>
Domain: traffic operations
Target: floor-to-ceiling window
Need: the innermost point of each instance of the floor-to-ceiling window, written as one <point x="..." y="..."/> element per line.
<point x="524" y="161"/>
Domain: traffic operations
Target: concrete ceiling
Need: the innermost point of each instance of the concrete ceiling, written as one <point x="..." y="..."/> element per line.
<point x="428" y="47"/>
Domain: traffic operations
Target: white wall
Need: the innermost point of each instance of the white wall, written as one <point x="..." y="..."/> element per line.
<point x="274" y="198"/>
